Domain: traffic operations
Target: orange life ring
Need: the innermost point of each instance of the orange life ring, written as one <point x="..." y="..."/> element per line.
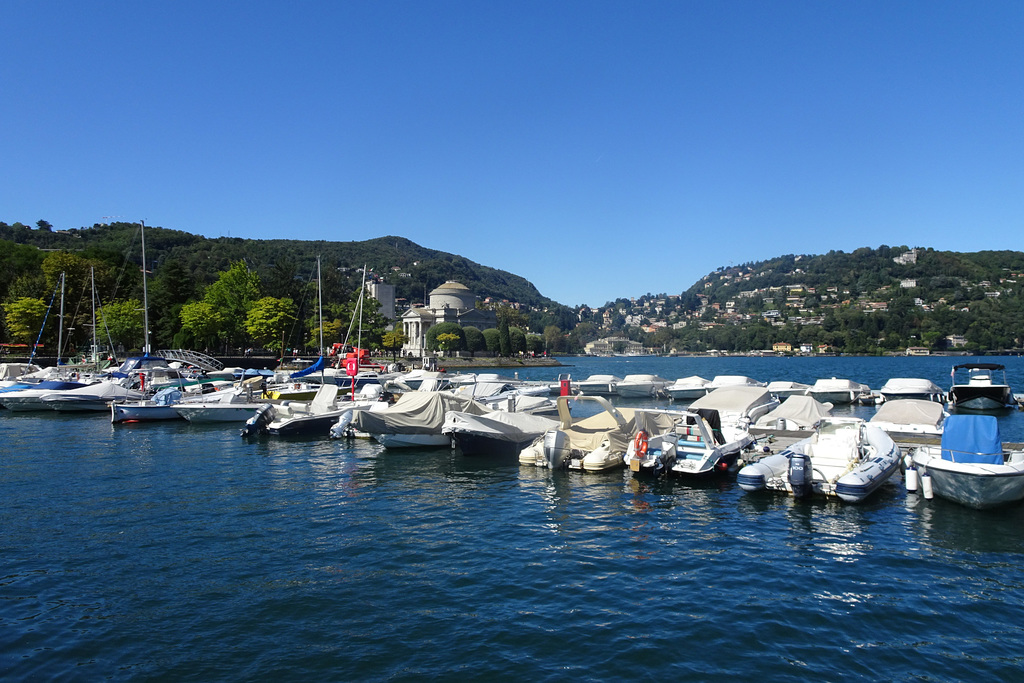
<point x="640" y="443"/>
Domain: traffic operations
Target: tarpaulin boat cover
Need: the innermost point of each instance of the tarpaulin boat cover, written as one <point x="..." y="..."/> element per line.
<point x="500" y="425"/>
<point x="734" y="399"/>
<point x="910" y="411"/>
<point x="417" y="412"/>
<point x="972" y="438"/>
<point x="804" y="411"/>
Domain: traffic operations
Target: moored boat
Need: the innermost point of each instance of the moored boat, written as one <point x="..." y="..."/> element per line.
<point x="594" y="443"/>
<point x="837" y="391"/>
<point x="980" y="386"/>
<point x="845" y="457"/>
<point x="498" y="433"/>
<point x="681" y="441"/>
<point x="911" y="388"/>
<point x="641" y="386"/>
<point x="970" y="466"/>
<point x="910" y="416"/>
<point x="687" y="388"/>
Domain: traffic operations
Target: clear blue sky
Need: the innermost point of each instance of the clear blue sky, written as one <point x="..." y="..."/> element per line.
<point x="599" y="149"/>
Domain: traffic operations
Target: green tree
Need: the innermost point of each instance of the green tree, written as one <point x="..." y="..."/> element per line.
<point x="233" y="294"/>
<point x="122" y="320"/>
<point x="475" y="340"/>
<point x="24" y="316"/>
<point x="517" y="340"/>
<point x="172" y="288"/>
<point x="445" y="328"/>
<point x="448" y="341"/>
<point x="393" y="341"/>
<point x="201" y="322"/>
<point x="492" y="338"/>
<point x="504" y="339"/>
<point x="268" y="319"/>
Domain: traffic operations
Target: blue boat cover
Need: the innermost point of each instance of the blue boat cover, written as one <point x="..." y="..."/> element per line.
<point x="972" y="438"/>
<point x="315" y="367"/>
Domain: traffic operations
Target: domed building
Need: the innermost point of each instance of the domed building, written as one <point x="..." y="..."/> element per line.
<point x="452" y="302"/>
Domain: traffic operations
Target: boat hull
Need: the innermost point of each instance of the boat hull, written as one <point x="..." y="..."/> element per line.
<point x="413" y="440"/>
<point x="974" y="485"/>
<point x="234" y="412"/>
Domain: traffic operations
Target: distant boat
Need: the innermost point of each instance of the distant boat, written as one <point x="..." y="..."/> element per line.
<point x="911" y="387"/>
<point x="975" y="387"/>
<point x="837" y="391"/>
<point x="687" y="388"/>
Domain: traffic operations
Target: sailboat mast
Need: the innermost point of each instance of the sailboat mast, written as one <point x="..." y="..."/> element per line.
<point x="320" y="308"/>
<point x="145" y="294"/>
<point x="60" y="331"/>
<point x="92" y="279"/>
<point x="362" y="293"/>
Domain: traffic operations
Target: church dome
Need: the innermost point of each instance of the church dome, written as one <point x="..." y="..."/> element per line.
<point x="452" y="295"/>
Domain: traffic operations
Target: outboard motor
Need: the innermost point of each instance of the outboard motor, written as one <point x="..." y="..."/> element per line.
<point x="556" y="449"/>
<point x="800" y="475"/>
<point x="257" y="424"/>
<point x="341" y="428"/>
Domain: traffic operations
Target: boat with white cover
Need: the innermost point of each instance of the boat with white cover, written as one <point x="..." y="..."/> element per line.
<point x="911" y="387"/>
<point x="910" y="416"/>
<point x="844" y="457"/>
<point x="687" y="388"/>
<point x="598" y="385"/>
<point x="970" y="466"/>
<point x="838" y="391"/>
<point x="719" y="381"/>
<point x="415" y="420"/>
<point x="738" y="407"/>
<point x="798" y="412"/>
<point x="641" y="386"/>
<point x="594" y="443"/>
<point x="980" y="386"/>
<point x="498" y="433"/>
<point x="784" y="389"/>
<point x="681" y="441"/>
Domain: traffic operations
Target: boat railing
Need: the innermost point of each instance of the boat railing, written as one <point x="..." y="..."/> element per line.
<point x="200" y="360"/>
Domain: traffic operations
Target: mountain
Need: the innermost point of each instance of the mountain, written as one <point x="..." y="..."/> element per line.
<point x="413" y="269"/>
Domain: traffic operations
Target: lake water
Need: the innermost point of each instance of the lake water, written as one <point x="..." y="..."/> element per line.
<point x="170" y="552"/>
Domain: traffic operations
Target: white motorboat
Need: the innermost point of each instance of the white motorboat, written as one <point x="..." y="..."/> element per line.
<point x="641" y="386"/>
<point x="315" y="417"/>
<point x="837" y="391"/>
<point x="845" y="457"/>
<point x="975" y="387"/>
<point x="31" y="398"/>
<point x="415" y="419"/>
<point x="798" y="412"/>
<point x="12" y="373"/>
<point x="910" y="416"/>
<point x="504" y="395"/>
<point x="593" y="443"/>
<point x="970" y="466"/>
<point x="720" y="381"/>
<point x="498" y="433"/>
<point x="599" y="385"/>
<point x="680" y="441"/>
<point x="91" y="398"/>
<point x="737" y="408"/>
<point x="687" y="388"/>
<point x="784" y="389"/>
<point x="911" y="387"/>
